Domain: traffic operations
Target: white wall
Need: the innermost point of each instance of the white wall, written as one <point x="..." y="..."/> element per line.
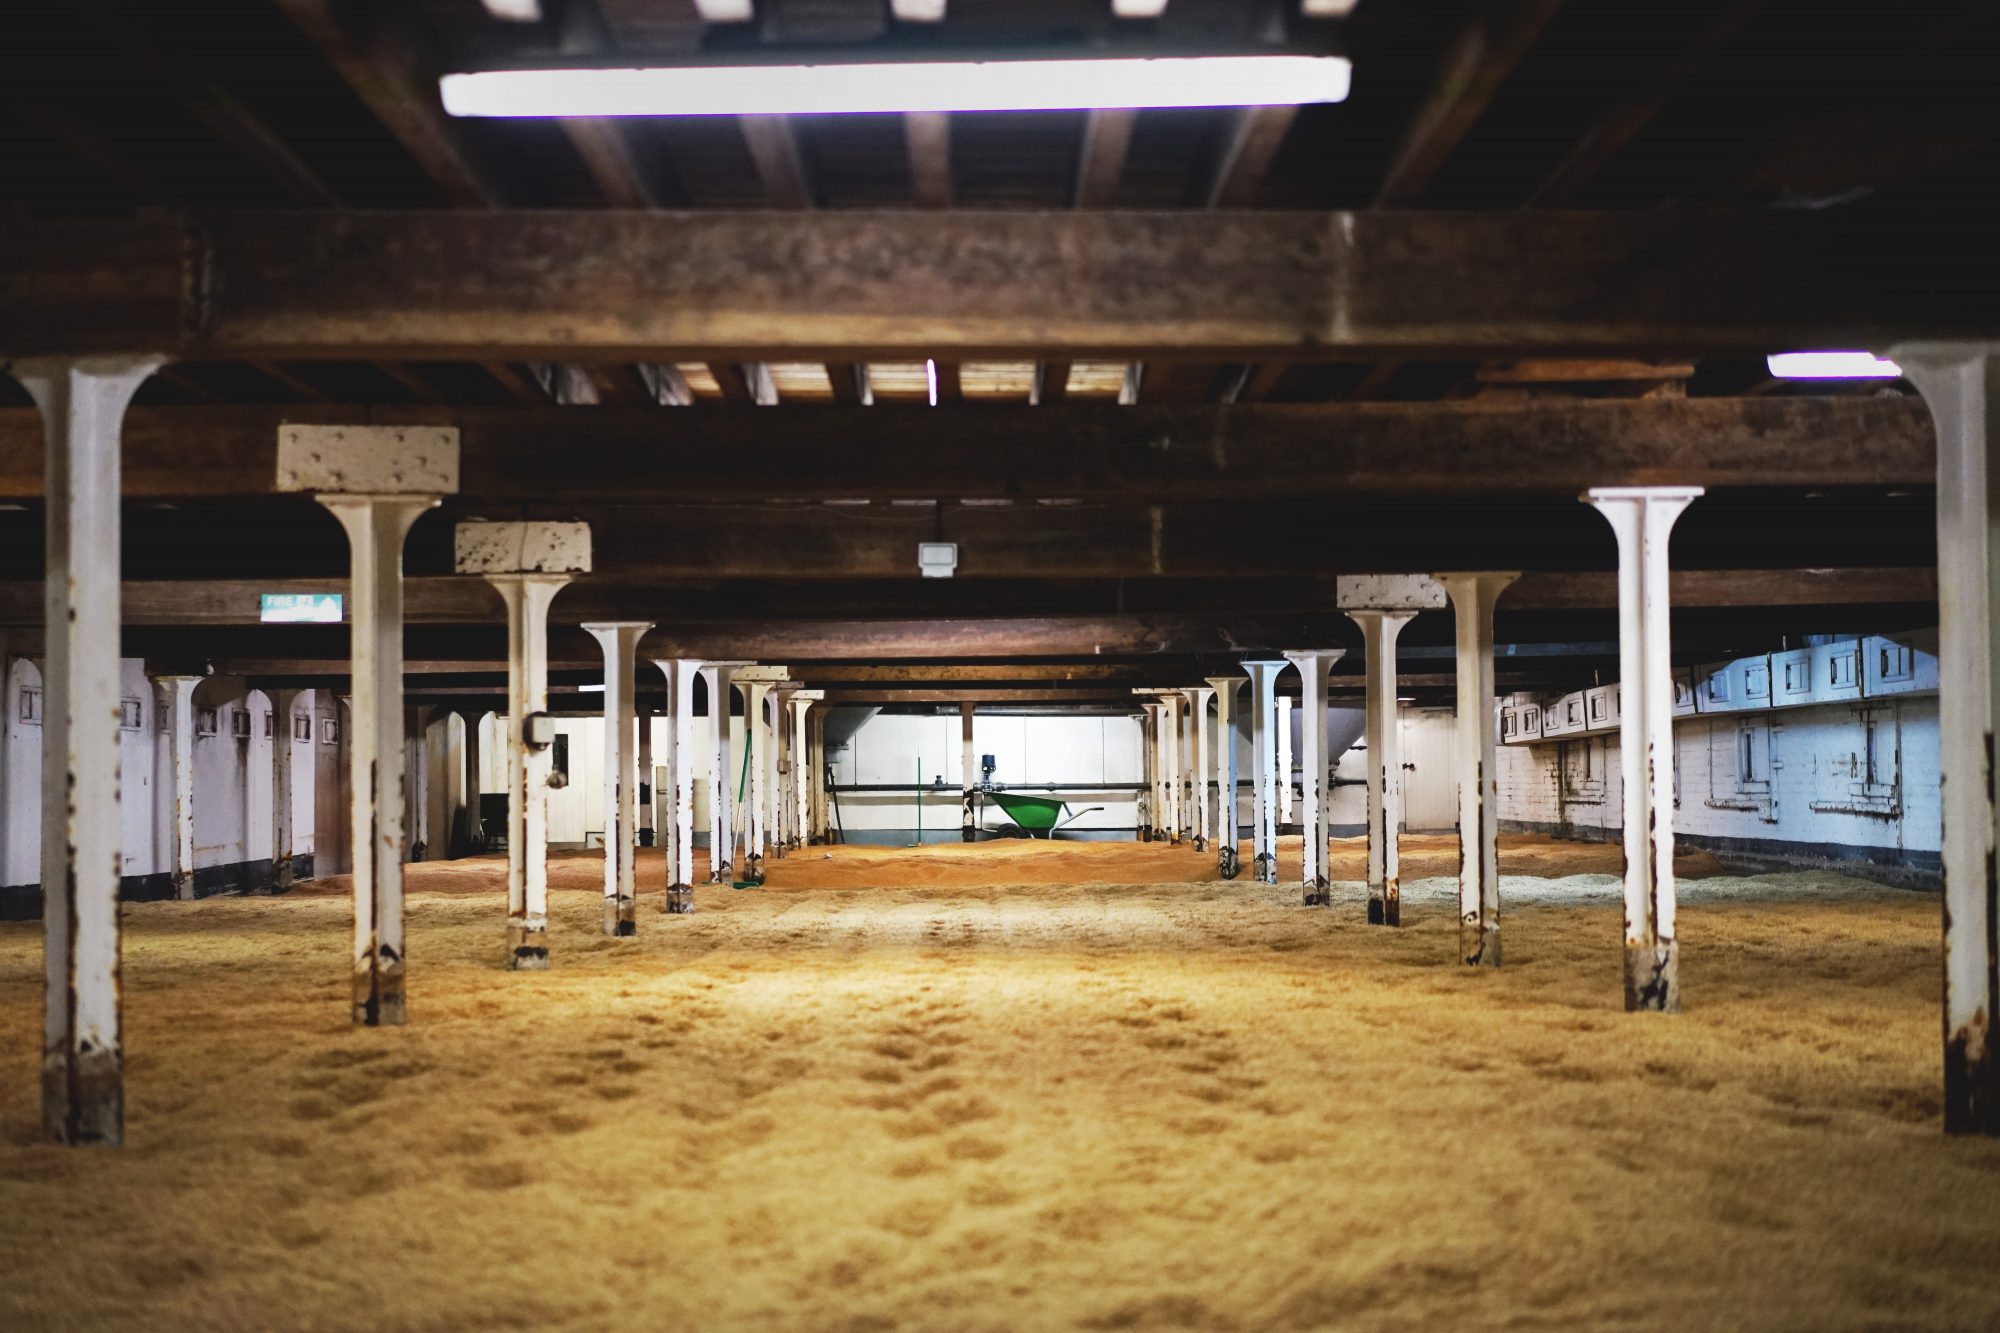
<point x="232" y="777"/>
<point x="1806" y="789"/>
<point x="1029" y="752"/>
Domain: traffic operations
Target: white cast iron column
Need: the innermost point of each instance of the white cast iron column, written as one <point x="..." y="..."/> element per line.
<point x="1198" y="787"/>
<point x="1643" y="517"/>
<point x="1379" y="631"/>
<point x="1264" y="836"/>
<point x="680" y="673"/>
<point x="529" y="563"/>
<point x="1473" y="744"/>
<point x="281" y="788"/>
<point x="83" y="1061"/>
<point x="716" y="677"/>
<point x="755" y="688"/>
<point x="801" y="703"/>
<point x="968" y="769"/>
<point x="1961" y="382"/>
<point x="377" y="480"/>
<point x="1176" y="812"/>
<point x="1228" y="861"/>
<point x="645" y="719"/>
<point x="784" y="815"/>
<point x="1284" y="735"/>
<point x="1312" y="667"/>
<point x="620" y="641"/>
<point x="1149" y="746"/>
<point x="180" y="763"/>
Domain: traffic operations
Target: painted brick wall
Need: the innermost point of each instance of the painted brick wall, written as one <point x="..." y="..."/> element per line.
<point x="1792" y="783"/>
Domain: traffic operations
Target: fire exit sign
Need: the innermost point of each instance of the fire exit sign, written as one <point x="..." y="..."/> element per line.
<point x="300" y="608"/>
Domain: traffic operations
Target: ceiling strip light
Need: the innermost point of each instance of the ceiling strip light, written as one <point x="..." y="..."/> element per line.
<point x="992" y="85"/>
<point x="1832" y="366"/>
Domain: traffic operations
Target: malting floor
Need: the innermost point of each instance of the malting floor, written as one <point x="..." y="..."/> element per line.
<point x="1015" y="1086"/>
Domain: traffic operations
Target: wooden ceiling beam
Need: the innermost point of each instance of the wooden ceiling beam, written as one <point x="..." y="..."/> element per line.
<point x="596" y="285"/>
<point x="1478" y="62"/>
<point x="1107" y="141"/>
<point x="774" y="149"/>
<point x="217" y="110"/>
<point x="1622" y="123"/>
<point x="382" y="64"/>
<point x="928" y="136"/>
<point x="1081" y="451"/>
<point x="1250" y="142"/>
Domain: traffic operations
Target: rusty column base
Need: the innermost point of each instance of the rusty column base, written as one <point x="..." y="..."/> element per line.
<point x="84" y="1104"/>
<point x="1319" y="894"/>
<point x="680" y="900"/>
<point x="1200" y="843"/>
<point x="754" y="872"/>
<point x="1653" y="978"/>
<point x="1267" y="868"/>
<point x="1145" y="833"/>
<point x="378" y="998"/>
<point x="1385" y="906"/>
<point x="281" y="876"/>
<point x="1478" y="946"/>
<point x="1228" y="864"/>
<point x="1972" y="1080"/>
<point x="722" y="874"/>
<point x="527" y="948"/>
<point x="620" y="917"/>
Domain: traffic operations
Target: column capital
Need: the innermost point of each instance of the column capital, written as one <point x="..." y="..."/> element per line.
<point x="362" y="462"/>
<point x="522" y="550"/>
<point x="1388" y="592"/>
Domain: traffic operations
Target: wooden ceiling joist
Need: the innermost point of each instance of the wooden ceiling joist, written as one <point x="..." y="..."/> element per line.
<point x="1480" y="59"/>
<point x="382" y="64"/>
<point x="1197" y="286"/>
<point x="1080" y="451"/>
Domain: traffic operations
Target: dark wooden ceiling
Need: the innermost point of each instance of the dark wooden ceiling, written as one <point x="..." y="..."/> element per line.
<point x="112" y="106"/>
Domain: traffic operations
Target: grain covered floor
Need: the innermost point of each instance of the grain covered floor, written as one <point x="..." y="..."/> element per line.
<point x="887" y="1091"/>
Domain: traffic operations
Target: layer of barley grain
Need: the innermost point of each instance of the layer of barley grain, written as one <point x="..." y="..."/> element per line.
<point x="1015" y="1086"/>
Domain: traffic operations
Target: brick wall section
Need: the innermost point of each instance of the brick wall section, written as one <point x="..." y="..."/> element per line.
<point x="1807" y="795"/>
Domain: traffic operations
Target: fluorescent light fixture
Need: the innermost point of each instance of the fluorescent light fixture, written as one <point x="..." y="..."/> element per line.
<point x="973" y="85"/>
<point x="1832" y="366"/>
<point x="590" y="689"/>
<point x="930" y="380"/>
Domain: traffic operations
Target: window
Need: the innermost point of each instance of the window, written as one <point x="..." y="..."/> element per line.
<point x="329" y="729"/>
<point x="31" y="707"/>
<point x="1840" y="669"/>
<point x="131" y="715"/>
<point x="239" y="723"/>
<point x="559" y="754"/>
<point x="204" y="721"/>
<point x="1753" y="757"/>
<point x="1896" y="662"/>
<point x="302" y="728"/>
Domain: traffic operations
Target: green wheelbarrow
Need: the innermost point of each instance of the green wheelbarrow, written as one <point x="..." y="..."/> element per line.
<point x="1038" y="814"/>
